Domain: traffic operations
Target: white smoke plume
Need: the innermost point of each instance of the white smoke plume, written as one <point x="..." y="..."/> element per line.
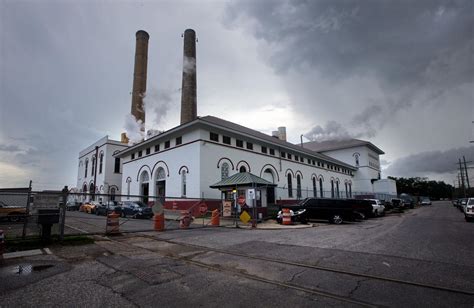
<point x="331" y="131"/>
<point x="189" y="65"/>
<point x="134" y="129"/>
<point x="158" y="102"/>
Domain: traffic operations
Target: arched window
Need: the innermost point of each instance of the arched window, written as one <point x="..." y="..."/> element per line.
<point x="350" y="190"/>
<point x="242" y="169"/>
<point x="160" y="184"/>
<point x="347" y="192"/>
<point x="321" y="191"/>
<point x="290" y="186"/>
<point x="337" y="189"/>
<point x="183" y="183"/>
<point x="112" y="194"/>
<point x="332" y="188"/>
<point x="298" y="186"/>
<point x="93" y="165"/>
<point x="315" y="193"/>
<point x="224" y="171"/>
<point x="101" y="162"/>
<point x="356" y="159"/>
<point x="92" y="191"/>
<point x="87" y="165"/>
<point x="144" y="186"/>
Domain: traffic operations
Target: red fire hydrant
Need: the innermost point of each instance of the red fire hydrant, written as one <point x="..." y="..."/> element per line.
<point x="2" y="245"/>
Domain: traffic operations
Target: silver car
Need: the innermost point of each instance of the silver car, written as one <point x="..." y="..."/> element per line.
<point x="378" y="209"/>
<point x="469" y="209"/>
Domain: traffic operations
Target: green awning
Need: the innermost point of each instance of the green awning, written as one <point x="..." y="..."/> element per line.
<point x="242" y="179"/>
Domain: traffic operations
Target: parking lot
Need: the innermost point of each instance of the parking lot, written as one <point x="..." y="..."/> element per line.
<point x="418" y="258"/>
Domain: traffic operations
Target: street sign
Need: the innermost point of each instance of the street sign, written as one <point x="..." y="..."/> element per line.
<point x="203" y="209"/>
<point x="251" y="194"/>
<point x="245" y="217"/>
<point x="241" y="200"/>
<point x="227" y="209"/>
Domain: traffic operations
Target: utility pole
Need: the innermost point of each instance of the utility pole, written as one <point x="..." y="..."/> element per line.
<point x="462" y="178"/>
<point x="467" y="176"/>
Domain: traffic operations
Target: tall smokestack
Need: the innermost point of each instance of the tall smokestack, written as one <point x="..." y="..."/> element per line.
<point x="188" y="89"/>
<point x="139" y="77"/>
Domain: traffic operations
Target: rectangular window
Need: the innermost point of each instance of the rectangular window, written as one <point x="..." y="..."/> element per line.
<point x="167" y="144"/>
<point x="302" y="159"/>
<point x="249" y="145"/>
<point x="157" y="148"/>
<point x="264" y="150"/>
<point x="179" y="140"/>
<point x="239" y="143"/>
<point x="140" y="153"/>
<point x="289" y="156"/>
<point x="148" y="151"/>
<point x="272" y="151"/>
<point x="226" y="139"/>
<point x="283" y="154"/>
<point x="117" y="165"/>
<point x="297" y="158"/>
<point x="214" y="137"/>
<point x="133" y="155"/>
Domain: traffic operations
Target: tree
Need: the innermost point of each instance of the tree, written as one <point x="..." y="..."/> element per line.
<point x="423" y="187"/>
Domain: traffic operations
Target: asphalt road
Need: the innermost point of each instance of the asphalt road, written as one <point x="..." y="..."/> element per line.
<point x="419" y="258"/>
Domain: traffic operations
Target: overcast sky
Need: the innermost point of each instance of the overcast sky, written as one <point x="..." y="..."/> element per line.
<point x="396" y="73"/>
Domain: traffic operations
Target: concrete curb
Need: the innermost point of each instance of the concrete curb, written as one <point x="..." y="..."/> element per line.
<point x="21" y="254"/>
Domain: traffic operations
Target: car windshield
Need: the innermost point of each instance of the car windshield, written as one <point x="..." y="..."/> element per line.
<point x="471" y="202"/>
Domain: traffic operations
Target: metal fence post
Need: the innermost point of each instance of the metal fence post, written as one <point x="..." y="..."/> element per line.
<point x="25" y="223"/>
<point x="65" y="192"/>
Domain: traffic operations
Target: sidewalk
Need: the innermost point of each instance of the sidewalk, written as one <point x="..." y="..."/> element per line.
<point x="270" y="224"/>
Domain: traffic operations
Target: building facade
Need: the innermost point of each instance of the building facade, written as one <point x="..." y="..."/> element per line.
<point x="99" y="172"/>
<point x="185" y="161"/>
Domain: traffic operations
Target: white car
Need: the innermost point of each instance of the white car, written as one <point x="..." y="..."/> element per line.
<point x="469" y="210"/>
<point x="378" y="209"/>
<point x="425" y="201"/>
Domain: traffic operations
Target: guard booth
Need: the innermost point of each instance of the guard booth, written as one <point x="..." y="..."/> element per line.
<point x="244" y="191"/>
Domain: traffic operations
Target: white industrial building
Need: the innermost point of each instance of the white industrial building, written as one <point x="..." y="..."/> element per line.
<point x="179" y="165"/>
<point x="105" y="172"/>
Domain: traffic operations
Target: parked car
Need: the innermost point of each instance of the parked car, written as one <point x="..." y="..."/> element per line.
<point x="362" y="208"/>
<point x="407" y="200"/>
<point x="108" y="208"/>
<point x="469" y="210"/>
<point x="462" y="204"/>
<point x="425" y="201"/>
<point x="334" y="210"/>
<point x="378" y="209"/>
<point x="397" y="204"/>
<point x="12" y="213"/>
<point x="72" y="206"/>
<point x="89" y="207"/>
<point x="136" y="209"/>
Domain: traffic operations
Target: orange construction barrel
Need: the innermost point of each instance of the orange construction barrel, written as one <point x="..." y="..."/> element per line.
<point x="215" y="218"/>
<point x="286" y="217"/>
<point x="159" y="222"/>
<point x="113" y="224"/>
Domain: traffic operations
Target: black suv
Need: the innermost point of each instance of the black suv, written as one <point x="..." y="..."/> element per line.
<point x="334" y="210"/>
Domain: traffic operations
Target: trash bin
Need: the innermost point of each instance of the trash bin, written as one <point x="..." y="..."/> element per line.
<point x="46" y="218"/>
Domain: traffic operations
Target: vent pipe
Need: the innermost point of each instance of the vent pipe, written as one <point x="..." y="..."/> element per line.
<point x="188" y="89"/>
<point x="139" y="77"/>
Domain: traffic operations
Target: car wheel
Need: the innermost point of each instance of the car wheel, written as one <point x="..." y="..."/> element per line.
<point x="336" y="219"/>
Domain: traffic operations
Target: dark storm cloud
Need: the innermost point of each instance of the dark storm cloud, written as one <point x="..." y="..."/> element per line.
<point x="399" y="41"/>
<point x="430" y="162"/>
<point x="415" y="50"/>
<point x="9" y="148"/>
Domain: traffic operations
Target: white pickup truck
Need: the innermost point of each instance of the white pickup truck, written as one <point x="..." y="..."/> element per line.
<point x="378" y="207"/>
